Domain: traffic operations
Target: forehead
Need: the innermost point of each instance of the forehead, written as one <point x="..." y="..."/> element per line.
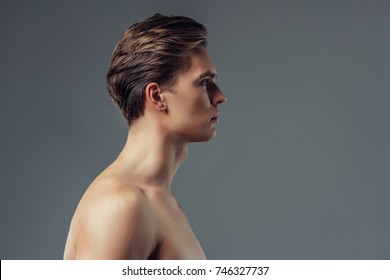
<point x="200" y="63"/>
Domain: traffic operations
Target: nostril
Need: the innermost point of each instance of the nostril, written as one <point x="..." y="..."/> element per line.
<point x="222" y="100"/>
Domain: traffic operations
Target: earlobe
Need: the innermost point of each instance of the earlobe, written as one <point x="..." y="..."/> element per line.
<point x="154" y="97"/>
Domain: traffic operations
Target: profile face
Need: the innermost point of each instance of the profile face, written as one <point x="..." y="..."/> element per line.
<point x="194" y="99"/>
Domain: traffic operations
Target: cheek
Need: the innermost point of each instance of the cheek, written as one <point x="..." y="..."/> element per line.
<point x="189" y="115"/>
<point x="200" y="105"/>
<point x="191" y="107"/>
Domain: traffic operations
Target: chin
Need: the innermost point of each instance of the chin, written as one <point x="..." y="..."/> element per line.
<point x="191" y="135"/>
<point x="204" y="137"/>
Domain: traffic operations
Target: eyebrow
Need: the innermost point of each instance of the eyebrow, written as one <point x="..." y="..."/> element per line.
<point x="208" y="74"/>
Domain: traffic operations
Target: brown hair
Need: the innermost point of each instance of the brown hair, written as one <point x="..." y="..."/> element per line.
<point x="153" y="50"/>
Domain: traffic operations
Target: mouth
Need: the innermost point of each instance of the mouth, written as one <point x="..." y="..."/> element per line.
<point x="215" y="117"/>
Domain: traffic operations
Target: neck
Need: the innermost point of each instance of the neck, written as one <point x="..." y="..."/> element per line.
<point x="151" y="158"/>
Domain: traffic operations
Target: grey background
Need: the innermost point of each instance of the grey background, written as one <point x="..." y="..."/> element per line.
<point x="299" y="168"/>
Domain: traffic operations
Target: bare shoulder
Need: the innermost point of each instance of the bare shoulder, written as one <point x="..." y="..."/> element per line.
<point x="113" y="221"/>
<point x="117" y="195"/>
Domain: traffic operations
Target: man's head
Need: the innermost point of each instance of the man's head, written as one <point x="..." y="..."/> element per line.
<point x="154" y="50"/>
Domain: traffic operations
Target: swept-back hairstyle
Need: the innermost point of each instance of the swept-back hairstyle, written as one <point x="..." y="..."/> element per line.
<point x="153" y="50"/>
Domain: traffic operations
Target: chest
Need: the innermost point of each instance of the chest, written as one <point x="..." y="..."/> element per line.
<point x="176" y="238"/>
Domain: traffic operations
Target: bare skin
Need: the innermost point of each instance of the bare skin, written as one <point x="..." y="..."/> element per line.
<point x="129" y="212"/>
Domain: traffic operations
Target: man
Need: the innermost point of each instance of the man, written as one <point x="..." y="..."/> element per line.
<point x="164" y="82"/>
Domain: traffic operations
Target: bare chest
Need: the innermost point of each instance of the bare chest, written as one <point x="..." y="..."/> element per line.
<point x="176" y="239"/>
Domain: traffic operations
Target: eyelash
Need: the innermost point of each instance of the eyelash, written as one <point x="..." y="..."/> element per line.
<point x="205" y="83"/>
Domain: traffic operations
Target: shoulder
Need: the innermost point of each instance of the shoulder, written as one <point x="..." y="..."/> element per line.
<point x="116" y="198"/>
<point x="114" y="221"/>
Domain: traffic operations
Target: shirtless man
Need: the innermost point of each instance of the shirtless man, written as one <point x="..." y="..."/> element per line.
<point x="163" y="80"/>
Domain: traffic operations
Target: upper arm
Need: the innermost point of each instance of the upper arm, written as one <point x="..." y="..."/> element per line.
<point x="115" y="225"/>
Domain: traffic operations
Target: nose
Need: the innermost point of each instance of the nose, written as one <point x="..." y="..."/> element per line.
<point x="218" y="97"/>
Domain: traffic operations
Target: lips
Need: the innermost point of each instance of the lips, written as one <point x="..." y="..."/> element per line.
<point x="215" y="117"/>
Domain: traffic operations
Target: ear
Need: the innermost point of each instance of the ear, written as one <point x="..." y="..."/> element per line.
<point x="154" y="97"/>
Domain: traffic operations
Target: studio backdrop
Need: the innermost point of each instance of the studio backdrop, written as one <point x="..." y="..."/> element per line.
<point x="300" y="166"/>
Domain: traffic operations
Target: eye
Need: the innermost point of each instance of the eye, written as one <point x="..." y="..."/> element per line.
<point x="205" y="83"/>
